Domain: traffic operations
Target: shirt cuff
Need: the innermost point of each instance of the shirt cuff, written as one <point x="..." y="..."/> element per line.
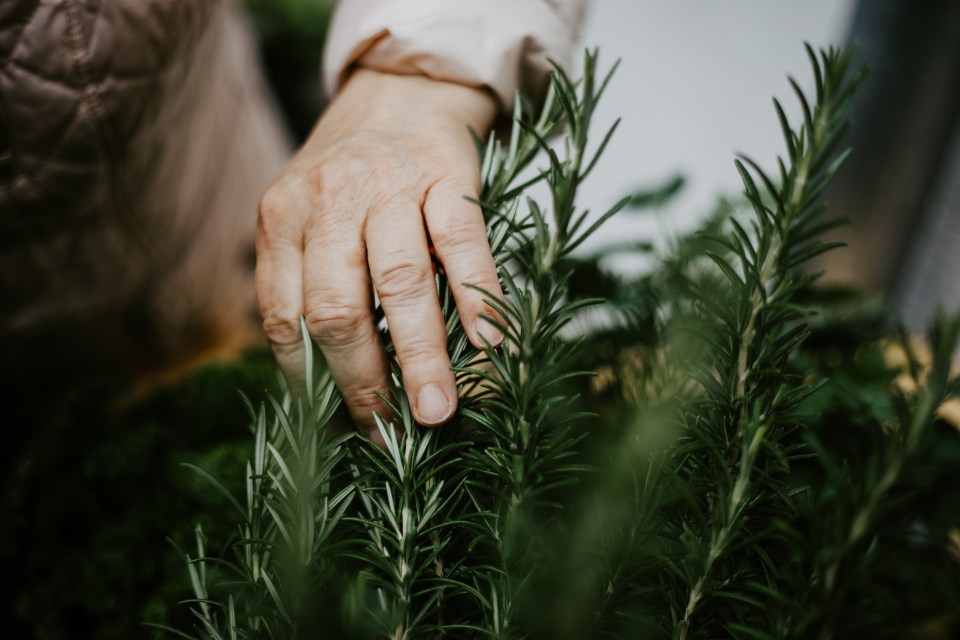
<point x="500" y="45"/>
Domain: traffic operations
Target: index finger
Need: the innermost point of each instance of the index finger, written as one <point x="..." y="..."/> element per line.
<point x="279" y="292"/>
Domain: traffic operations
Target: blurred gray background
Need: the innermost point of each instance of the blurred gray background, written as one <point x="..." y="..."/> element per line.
<point x="694" y="87"/>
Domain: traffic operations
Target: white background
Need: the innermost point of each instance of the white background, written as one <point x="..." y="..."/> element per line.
<point x="694" y="86"/>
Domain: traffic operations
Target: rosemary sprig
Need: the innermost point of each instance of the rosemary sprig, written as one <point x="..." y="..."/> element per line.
<point x="286" y="540"/>
<point x="745" y="412"/>
<point x="523" y="412"/>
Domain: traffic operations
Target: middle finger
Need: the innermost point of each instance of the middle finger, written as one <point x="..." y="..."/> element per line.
<point x="404" y="280"/>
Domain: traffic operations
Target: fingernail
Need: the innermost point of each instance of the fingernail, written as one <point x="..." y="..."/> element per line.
<point x="433" y="406"/>
<point x="486" y="330"/>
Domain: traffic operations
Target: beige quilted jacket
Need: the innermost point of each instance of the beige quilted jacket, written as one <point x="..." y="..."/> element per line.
<point x="136" y="139"/>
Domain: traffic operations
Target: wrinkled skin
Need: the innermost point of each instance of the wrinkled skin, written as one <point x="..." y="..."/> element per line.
<point x="390" y="162"/>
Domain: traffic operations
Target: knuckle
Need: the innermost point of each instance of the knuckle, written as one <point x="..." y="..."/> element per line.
<point x="277" y="210"/>
<point x="363" y="400"/>
<point x="341" y="170"/>
<point x="300" y="189"/>
<point x="335" y="322"/>
<point x="462" y="235"/>
<point x="424" y="354"/>
<point x="322" y="176"/>
<point x="403" y="278"/>
<point x="280" y="328"/>
<point x="487" y="286"/>
<point x="452" y="186"/>
<point x="277" y="200"/>
<point x="333" y="191"/>
<point x="270" y="204"/>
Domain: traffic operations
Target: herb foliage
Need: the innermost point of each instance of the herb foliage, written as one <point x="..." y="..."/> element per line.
<point x="707" y="484"/>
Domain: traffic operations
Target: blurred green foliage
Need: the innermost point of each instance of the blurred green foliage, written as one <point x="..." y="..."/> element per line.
<point x="94" y="490"/>
<point x="302" y="24"/>
<point x="291" y="37"/>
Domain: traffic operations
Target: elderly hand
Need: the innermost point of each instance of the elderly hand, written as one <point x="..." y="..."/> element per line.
<point x="385" y="170"/>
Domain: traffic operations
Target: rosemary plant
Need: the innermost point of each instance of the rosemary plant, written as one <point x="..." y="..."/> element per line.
<point x="752" y="328"/>
<point x="282" y="557"/>
<point x="691" y="505"/>
<point x="524" y="414"/>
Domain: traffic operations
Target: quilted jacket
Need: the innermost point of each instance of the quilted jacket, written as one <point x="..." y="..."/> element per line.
<point x="136" y="139"/>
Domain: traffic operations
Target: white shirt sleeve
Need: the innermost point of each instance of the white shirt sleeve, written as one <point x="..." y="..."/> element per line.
<point x="501" y="45"/>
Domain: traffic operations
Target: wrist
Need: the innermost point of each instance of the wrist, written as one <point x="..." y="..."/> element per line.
<point x="472" y="106"/>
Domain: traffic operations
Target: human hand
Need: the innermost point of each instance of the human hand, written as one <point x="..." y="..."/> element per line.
<point x="390" y="161"/>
